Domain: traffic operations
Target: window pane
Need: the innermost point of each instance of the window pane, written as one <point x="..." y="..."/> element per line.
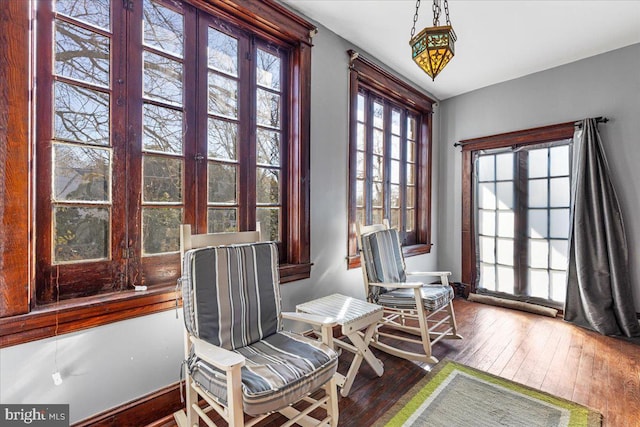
<point x="222" y="183"/>
<point x="95" y="12"/>
<point x="161" y="230"/>
<point x="395" y="172"/>
<point x="411" y="222"/>
<point x="538" y="223"/>
<point x="223" y="96"/>
<point x="82" y="55"/>
<point x="163" y="28"/>
<point x="81" y="114"/>
<point x="559" y="157"/>
<point x="222" y="220"/>
<point x="411" y="197"/>
<point x="411" y="128"/>
<point x="488" y="276"/>
<point x="222" y="139"/>
<point x="162" y="179"/>
<point x="559" y="223"/>
<point x="361" y="143"/>
<point x="560" y="192"/>
<point x="504" y="193"/>
<point x="411" y="174"/>
<point x="538" y="162"/>
<point x="411" y="151"/>
<point x="162" y="129"/>
<point x="268" y="186"/>
<point x="223" y="52"/>
<point x="378" y="142"/>
<point x="486" y="196"/>
<point x="504" y="166"/>
<point x="506" y="223"/>
<point x="81" y="173"/>
<point x="395" y="147"/>
<point x="487" y="249"/>
<point x="539" y="283"/>
<point x="558" y="285"/>
<point x="376" y="194"/>
<point x="559" y="254"/>
<point x="268" y="70"/>
<point x="538" y="193"/>
<point x="268" y="108"/>
<point x="269" y="219"/>
<point x="360" y="107"/>
<point x="360" y="167"/>
<point x="486" y="168"/>
<point x="360" y="217"/>
<point x="395" y="218"/>
<point x="268" y="147"/>
<point x="487" y="223"/>
<point x="395" y="122"/>
<point x="506" y="279"/>
<point x="505" y="251"/>
<point x="377" y="215"/>
<point x="359" y="192"/>
<point x="80" y="234"/>
<point x="538" y="253"/>
<point x="378" y="115"/>
<point x="377" y="171"/>
<point x="394" y="197"/>
<point x="162" y="78"/>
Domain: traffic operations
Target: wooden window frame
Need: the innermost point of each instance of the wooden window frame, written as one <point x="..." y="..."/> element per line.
<point x="368" y="75"/>
<point x="520" y="138"/>
<point x="21" y="319"/>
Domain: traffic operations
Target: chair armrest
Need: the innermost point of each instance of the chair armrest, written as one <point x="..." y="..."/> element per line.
<point x="311" y="319"/>
<point x="428" y="273"/>
<point x="405" y="285"/>
<point x="219" y="357"/>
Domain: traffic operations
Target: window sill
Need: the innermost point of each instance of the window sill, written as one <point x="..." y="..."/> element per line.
<point x="83" y="313"/>
<point x="407" y="251"/>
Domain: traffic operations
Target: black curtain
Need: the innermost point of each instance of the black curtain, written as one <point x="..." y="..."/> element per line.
<point x="599" y="293"/>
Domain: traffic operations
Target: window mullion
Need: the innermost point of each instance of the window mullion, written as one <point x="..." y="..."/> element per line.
<point x="521" y="243"/>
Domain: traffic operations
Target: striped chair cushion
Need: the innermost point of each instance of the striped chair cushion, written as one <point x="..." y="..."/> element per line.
<point x="383" y="259"/>
<point x="434" y="297"/>
<point x="231" y="294"/>
<point x="274" y="375"/>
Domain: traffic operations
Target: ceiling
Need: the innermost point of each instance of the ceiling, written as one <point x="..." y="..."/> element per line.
<point x="498" y="40"/>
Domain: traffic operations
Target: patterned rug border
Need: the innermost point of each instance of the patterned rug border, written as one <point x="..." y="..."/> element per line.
<point x="581" y="415"/>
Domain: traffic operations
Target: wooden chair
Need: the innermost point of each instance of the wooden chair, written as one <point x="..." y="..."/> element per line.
<point x="238" y="358"/>
<point x="411" y="309"/>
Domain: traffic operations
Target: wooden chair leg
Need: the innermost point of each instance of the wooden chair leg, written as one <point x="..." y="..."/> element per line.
<point x="424" y="327"/>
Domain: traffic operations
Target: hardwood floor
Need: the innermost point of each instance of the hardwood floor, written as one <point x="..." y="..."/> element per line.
<point x="547" y="354"/>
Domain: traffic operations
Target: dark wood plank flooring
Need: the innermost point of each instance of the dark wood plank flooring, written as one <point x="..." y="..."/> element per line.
<point x="544" y="353"/>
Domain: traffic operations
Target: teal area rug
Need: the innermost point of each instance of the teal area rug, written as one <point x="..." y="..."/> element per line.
<point x="453" y="394"/>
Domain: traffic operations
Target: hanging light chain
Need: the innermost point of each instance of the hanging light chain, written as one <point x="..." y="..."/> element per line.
<point x="436" y="12"/>
<point x="415" y="19"/>
<point x="446" y="11"/>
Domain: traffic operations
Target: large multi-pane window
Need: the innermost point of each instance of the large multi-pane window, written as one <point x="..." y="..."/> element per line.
<point x="151" y="114"/>
<point x="389" y="173"/>
<point x="520" y="209"/>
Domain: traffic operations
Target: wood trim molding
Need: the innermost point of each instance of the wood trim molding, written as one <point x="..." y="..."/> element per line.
<point x="143" y="411"/>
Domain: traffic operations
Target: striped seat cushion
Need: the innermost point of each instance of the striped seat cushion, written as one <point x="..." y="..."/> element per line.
<point x="383" y="259"/>
<point x="279" y="370"/>
<point x="434" y="297"/>
<point x="231" y="293"/>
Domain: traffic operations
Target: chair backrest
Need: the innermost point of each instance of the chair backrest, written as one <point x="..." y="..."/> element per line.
<point x="380" y="257"/>
<point x="230" y="292"/>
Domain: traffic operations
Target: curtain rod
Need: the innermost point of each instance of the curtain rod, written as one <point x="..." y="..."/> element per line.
<point x="599" y="119"/>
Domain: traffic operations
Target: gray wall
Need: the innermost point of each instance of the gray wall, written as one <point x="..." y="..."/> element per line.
<point x="109" y="365"/>
<point x="605" y="85"/>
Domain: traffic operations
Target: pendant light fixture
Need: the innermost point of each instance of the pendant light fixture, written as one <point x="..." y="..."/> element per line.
<point x="432" y="48"/>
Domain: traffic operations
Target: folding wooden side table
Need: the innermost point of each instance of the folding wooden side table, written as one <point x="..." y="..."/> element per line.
<point x="353" y="315"/>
